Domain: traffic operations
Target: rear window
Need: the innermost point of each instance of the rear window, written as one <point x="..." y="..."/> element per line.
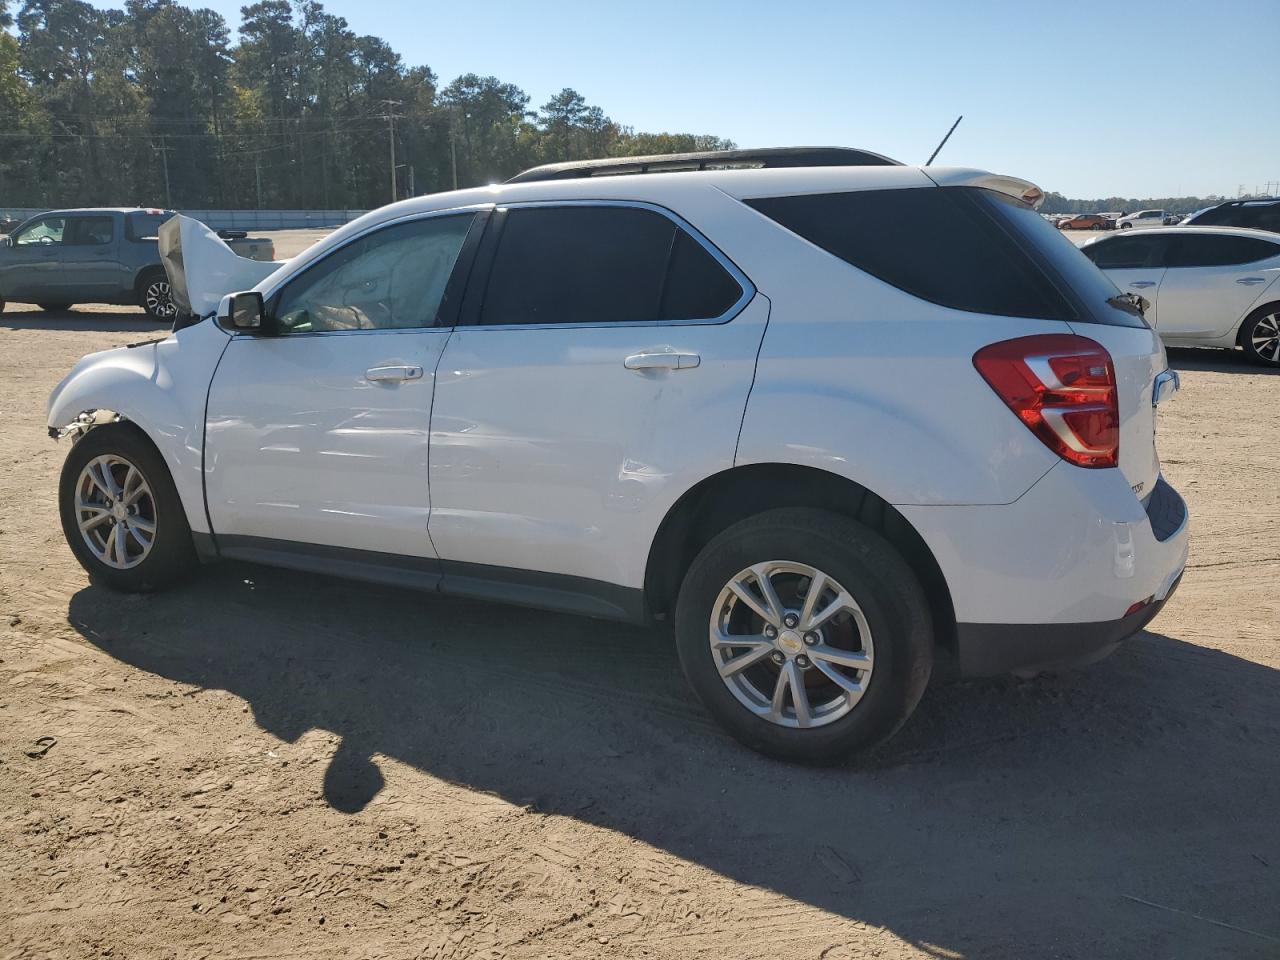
<point x="144" y="226"/>
<point x="1259" y="216"/>
<point x="961" y="247"/>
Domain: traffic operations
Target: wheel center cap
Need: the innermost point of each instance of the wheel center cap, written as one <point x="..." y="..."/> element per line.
<point x="790" y="642"/>
<point x="119" y="510"/>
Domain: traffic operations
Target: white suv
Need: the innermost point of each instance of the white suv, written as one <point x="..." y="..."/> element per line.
<point x="829" y="421"/>
<point x="1143" y="219"/>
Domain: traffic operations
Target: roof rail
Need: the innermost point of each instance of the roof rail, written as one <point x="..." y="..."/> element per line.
<point x="709" y="159"/>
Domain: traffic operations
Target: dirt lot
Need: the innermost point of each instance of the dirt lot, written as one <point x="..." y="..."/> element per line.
<point x="266" y="764"/>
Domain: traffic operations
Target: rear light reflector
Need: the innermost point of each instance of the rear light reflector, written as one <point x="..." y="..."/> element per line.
<point x="1063" y="387"/>
<point x="1141" y="604"/>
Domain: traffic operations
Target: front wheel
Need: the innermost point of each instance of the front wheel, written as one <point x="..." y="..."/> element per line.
<point x="1260" y="336"/>
<point x="1126" y="226"/>
<point x="805" y="634"/>
<point x="121" y="513"/>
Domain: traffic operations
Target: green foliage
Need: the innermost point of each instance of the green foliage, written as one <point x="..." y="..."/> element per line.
<point x="153" y="105"/>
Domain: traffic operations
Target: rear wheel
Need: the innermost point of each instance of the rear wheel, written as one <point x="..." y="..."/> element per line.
<point x="1126" y="226"/>
<point x="805" y="634"/>
<point x="1096" y="226"/>
<point x="156" y="297"/>
<point x="121" y="513"/>
<point x="55" y="307"/>
<point x="1260" y="336"/>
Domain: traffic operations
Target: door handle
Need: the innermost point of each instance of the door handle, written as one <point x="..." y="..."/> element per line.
<point x="1143" y="284"/>
<point x="662" y="360"/>
<point x="1250" y="281"/>
<point x="392" y="374"/>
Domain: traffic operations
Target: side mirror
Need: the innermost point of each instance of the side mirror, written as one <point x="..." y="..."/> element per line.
<point x="242" y="312"/>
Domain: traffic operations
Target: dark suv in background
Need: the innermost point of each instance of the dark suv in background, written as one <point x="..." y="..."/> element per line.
<point x="107" y="255"/>
<point x="1260" y="214"/>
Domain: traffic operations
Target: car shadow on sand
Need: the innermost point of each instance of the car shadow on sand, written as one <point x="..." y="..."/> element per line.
<point x="1213" y="360"/>
<point x="22" y="316"/>
<point x="1008" y="819"/>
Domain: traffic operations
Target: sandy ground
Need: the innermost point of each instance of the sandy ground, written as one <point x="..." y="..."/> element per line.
<point x="266" y="764"/>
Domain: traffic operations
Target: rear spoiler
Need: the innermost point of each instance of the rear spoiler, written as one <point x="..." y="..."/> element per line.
<point x="1023" y="190"/>
<point x="202" y="269"/>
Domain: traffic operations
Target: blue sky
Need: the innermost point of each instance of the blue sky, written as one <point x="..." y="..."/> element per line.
<point x="1141" y="99"/>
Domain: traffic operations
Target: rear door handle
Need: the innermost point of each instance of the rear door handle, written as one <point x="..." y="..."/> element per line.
<point x="392" y="374"/>
<point x="1143" y="284"/>
<point x="662" y="360"/>
<point x="1250" y="281"/>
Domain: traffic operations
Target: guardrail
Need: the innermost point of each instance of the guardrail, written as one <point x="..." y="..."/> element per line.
<point x="239" y="219"/>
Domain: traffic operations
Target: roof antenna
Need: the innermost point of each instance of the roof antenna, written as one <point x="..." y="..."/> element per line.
<point x="944" y="140"/>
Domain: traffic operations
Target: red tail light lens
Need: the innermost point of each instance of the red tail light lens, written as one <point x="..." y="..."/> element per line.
<point x="1063" y="387"/>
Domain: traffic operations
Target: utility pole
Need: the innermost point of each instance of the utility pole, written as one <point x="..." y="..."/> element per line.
<point x="411" y="190"/>
<point x="257" y="176"/>
<point x="453" y="154"/>
<point x="163" y="150"/>
<point x="390" y="117"/>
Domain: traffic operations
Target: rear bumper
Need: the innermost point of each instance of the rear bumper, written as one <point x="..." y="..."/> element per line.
<point x="1051" y="578"/>
<point x="988" y="649"/>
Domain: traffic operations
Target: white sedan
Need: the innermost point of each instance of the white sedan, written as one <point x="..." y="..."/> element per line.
<point x="1206" y="286"/>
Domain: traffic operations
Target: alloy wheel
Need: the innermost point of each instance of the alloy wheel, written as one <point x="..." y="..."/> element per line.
<point x="791" y="644"/>
<point x="115" y="511"/>
<point x="1265" y="337"/>
<point x="158" y="300"/>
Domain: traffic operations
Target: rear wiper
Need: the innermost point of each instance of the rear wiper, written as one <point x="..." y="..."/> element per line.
<point x="1130" y="303"/>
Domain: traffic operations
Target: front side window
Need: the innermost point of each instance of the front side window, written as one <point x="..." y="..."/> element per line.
<point x="600" y="265"/>
<point x="88" y="231"/>
<point x="41" y="233"/>
<point x="1202" y="250"/>
<point x="1126" y="252"/>
<point x="393" y="278"/>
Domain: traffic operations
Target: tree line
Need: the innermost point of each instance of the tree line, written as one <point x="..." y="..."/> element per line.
<point x="1057" y="203"/>
<point x="156" y="105"/>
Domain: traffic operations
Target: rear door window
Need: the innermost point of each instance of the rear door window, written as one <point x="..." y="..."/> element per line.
<point x="1204" y="250"/>
<point x="89" y="231"/>
<point x="603" y="264"/>
<point x="144" y="226"/>
<point x="1126" y="252"/>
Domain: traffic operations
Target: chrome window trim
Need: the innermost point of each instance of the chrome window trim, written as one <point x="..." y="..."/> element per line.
<point x="278" y="286"/>
<point x="744" y="282"/>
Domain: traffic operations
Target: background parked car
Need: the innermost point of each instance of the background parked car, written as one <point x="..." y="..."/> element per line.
<point x="1143" y="218"/>
<point x="108" y="255"/>
<point x="1207" y="286"/>
<point x="1086" y="221"/>
<point x="1260" y="214"/>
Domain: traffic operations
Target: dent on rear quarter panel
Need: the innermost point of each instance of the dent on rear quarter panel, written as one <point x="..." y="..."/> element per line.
<point x="160" y="387"/>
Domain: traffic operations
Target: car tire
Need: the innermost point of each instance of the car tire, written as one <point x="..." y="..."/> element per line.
<point x="1126" y="226"/>
<point x="120" y="456"/>
<point x="155" y="296"/>
<point x="888" y="627"/>
<point x="55" y="307"/>
<point x="1096" y="226"/>
<point x="1260" y="335"/>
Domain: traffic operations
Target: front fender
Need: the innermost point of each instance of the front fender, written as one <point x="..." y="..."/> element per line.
<point x="161" y="387"/>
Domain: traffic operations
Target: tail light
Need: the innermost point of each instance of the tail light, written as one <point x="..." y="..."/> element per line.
<point x="1063" y="387"/>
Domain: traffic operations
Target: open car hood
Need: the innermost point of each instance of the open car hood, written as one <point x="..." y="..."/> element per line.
<point x="202" y="269"/>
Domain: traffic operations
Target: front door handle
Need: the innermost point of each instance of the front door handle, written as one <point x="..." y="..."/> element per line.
<point x="395" y="374"/>
<point x="1143" y="284"/>
<point x="662" y="360"/>
<point x="1250" y="281"/>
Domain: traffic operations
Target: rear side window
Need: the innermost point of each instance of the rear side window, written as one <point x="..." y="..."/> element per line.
<point x="945" y="245"/>
<point x="962" y="247"/>
<point x="601" y="264"/>
<point x="144" y="226"/>
<point x="1126" y="252"/>
<point x="1201" y="250"/>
